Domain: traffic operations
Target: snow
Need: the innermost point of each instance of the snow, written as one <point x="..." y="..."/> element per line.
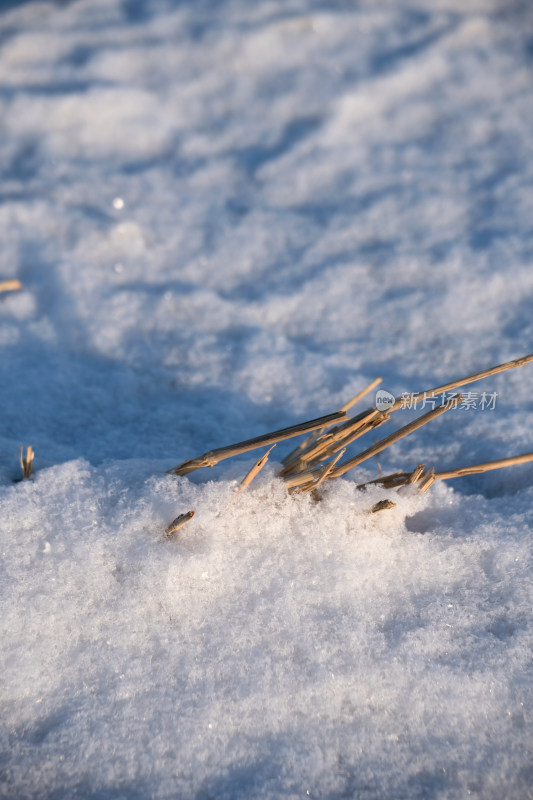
<point x="229" y="217"/>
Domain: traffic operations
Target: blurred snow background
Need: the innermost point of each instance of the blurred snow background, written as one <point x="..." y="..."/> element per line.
<point x="228" y="217"/>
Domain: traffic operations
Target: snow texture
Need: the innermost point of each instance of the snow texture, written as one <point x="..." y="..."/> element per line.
<point x="228" y="217"/>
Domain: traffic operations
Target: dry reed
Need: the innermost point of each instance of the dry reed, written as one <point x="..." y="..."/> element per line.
<point x="257" y="467"/>
<point x="215" y="456"/>
<point x="178" y="523"/>
<point x="10" y="286"/>
<point x="317" y="458"/>
<point x="476" y="469"/>
<point x="26" y="464"/>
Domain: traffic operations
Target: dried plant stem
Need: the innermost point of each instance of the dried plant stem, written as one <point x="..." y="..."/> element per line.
<point x="374" y="420"/>
<point x="427" y="480"/>
<point x="416" y="474"/>
<point x="476" y="376"/>
<point x="325" y="471"/>
<point x="10" y="286"/>
<point x="26" y="464"/>
<point x="303" y="454"/>
<point x="303" y="479"/>
<point x="391" y="439"/>
<point x="359" y="396"/>
<point x="178" y="523"/>
<point x="397" y="479"/>
<point x="485" y="467"/>
<point x="214" y="456"/>
<point x="361" y="420"/>
<point x="305" y="466"/>
<point x="302" y="459"/>
<point x="383" y="505"/>
<point x="345" y="434"/>
<point x="294" y="455"/>
<point x="388" y="481"/>
<point x="257" y="467"/>
<point x="330" y="443"/>
<point x="307" y="486"/>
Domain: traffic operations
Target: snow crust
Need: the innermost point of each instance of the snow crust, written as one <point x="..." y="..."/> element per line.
<point x="228" y="217"/>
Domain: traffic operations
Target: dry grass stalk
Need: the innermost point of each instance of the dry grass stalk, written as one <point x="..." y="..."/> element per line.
<point x="10" y="286"/>
<point x="303" y="470"/>
<point x="257" y="467"/>
<point x="486" y="467"/>
<point x="375" y="419"/>
<point x="388" y="481"/>
<point x="298" y="459"/>
<point x="391" y="439"/>
<point x="26" y="464"/>
<point x="214" y="456"/>
<point x="305" y="487"/>
<point x="353" y="423"/>
<point x="178" y="523"/>
<point x="359" y="396"/>
<point x="416" y="474"/>
<point x="383" y="505"/>
<point x="325" y="470"/>
<point x="294" y="455"/>
<point x="330" y="443"/>
<point x="427" y="480"/>
<point x="476" y="376"/>
<point x="343" y="435"/>
<point x="305" y="477"/>
<point x="301" y="460"/>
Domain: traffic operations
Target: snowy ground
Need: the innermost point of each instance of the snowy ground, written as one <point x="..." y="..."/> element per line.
<point x="228" y="217"/>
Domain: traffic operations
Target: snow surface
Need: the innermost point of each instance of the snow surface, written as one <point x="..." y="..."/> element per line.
<point x="228" y="217"/>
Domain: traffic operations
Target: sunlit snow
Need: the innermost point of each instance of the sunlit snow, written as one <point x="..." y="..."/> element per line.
<point x="228" y="217"/>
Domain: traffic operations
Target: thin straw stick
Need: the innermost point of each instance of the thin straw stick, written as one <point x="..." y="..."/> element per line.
<point x="375" y="419"/>
<point x="305" y="487"/>
<point x="257" y="467"/>
<point x="391" y="439"/>
<point x="303" y="458"/>
<point x="427" y="480"/>
<point x="178" y="523"/>
<point x="397" y="479"/>
<point x="345" y="434"/>
<point x="476" y="376"/>
<point x="325" y="472"/>
<point x="330" y="443"/>
<point x="518" y="362"/>
<point x="26" y="464"/>
<point x="214" y="456"/>
<point x="359" y="396"/>
<point x="298" y="458"/>
<point x="416" y="473"/>
<point x="308" y="486"/>
<point x="354" y="422"/>
<point x="389" y="481"/>
<point x="301" y="478"/>
<point x="10" y="286"/>
<point x="382" y="505"/>
<point x="307" y="442"/>
<point x="486" y="467"/>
